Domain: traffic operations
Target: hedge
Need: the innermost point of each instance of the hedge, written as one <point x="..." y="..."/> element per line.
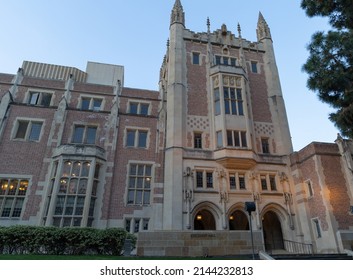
<point x="63" y="241"/>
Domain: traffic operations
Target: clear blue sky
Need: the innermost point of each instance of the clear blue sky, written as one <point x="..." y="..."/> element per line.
<point x="134" y="34"/>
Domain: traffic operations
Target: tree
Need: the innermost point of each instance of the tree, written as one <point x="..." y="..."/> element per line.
<point x="330" y="61"/>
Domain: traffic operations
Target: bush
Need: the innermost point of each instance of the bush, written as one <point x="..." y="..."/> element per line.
<point x="60" y="241"/>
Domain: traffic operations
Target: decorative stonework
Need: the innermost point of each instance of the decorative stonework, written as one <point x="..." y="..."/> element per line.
<point x="197" y="123"/>
<point x="264" y="129"/>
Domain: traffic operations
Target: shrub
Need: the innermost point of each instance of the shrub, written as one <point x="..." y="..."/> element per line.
<point x="59" y="241"/>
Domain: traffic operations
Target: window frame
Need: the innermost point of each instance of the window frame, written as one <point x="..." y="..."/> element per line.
<point x="196" y="58"/>
<point x="136" y="132"/>
<point x="233" y="101"/>
<point x="139" y="107"/>
<point x="146" y="179"/>
<point x="239" y="179"/>
<point x="238" y="138"/>
<point x="15" y="197"/>
<point x="254" y="67"/>
<point x="197" y="140"/>
<point x="85" y="134"/>
<point x="265" y="145"/>
<point x="309" y="188"/>
<point x="204" y="179"/>
<point x="91" y="103"/>
<point x="73" y="192"/>
<point x="39" y="100"/>
<point x="29" y="133"/>
<point x="268" y="182"/>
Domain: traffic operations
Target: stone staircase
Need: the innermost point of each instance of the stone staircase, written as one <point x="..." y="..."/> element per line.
<point x="283" y="256"/>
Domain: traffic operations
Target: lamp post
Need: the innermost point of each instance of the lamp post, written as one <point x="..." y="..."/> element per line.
<point x="251" y="207"/>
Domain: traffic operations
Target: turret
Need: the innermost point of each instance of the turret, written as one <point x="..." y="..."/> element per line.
<point x="177" y="15"/>
<point x="276" y="102"/>
<point x="176" y="114"/>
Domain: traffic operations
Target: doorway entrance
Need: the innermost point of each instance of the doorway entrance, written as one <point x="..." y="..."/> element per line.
<point x="272" y="231"/>
<point x="238" y="221"/>
<point x="204" y="220"/>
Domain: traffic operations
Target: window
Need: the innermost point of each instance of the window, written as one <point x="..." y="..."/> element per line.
<point x="138" y="108"/>
<point x="263" y="182"/>
<point x="90" y="103"/>
<point x="128" y="225"/>
<point x="219" y="139"/>
<point x="196" y="58"/>
<point x="225" y="60"/>
<point x="268" y="182"/>
<point x="28" y="130"/>
<point x="265" y="146"/>
<point x="236" y="138"/>
<point x="39" y="98"/>
<point x="197" y="140"/>
<point x="217" y="102"/>
<point x="136" y="138"/>
<point x="204" y="179"/>
<point x="237" y="181"/>
<point x="233" y="102"/>
<point x="139" y="184"/>
<point x="12" y="196"/>
<point x="84" y="134"/>
<point x="273" y="183"/>
<point x="254" y="66"/>
<point x="317" y="228"/>
<point x="209" y="180"/>
<point x="145" y="224"/>
<point x="199" y="179"/>
<point x="72" y="194"/>
<point x="309" y="189"/>
<point x="136" y="225"/>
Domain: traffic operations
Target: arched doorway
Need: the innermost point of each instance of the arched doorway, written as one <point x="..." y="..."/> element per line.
<point x="272" y="231"/>
<point x="204" y="220"/>
<point x="238" y="221"/>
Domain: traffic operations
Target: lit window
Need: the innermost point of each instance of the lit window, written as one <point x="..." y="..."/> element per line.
<point x="70" y="203"/>
<point x="28" y="130"/>
<point x="136" y="138"/>
<point x="139" y="185"/>
<point x="12" y="196"/>
<point x="84" y="134"/>
<point x="39" y="98"/>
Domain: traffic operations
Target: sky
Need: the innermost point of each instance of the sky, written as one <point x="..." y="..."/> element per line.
<point x="135" y="33"/>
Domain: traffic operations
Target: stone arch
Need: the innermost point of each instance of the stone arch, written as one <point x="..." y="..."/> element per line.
<point x="273" y="218"/>
<point x="237" y="217"/>
<point x="206" y="216"/>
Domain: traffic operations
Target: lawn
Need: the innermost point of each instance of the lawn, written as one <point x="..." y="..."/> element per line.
<point x="101" y="257"/>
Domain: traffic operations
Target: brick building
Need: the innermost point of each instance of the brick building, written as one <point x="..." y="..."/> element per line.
<point x="77" y="148"/>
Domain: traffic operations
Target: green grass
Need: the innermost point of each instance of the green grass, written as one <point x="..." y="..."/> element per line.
<point x="101" y="257"/>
